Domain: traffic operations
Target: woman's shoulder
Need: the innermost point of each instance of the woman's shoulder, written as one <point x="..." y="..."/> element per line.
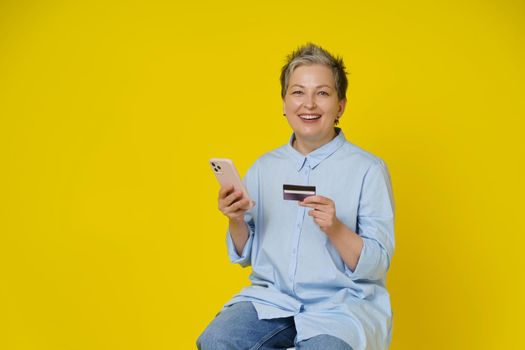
<point x="356" y="153"/>
<point x="276" y="154"/>
<point x="349" y="152"/>
<point x="269" y="159"/>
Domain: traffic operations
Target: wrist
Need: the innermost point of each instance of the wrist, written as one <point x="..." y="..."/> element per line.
<point x="236" y="221"/>
<point x="337" y="229"/>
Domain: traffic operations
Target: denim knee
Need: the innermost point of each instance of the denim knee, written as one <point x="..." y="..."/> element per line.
<point x="216" y="337"/>
<point x="206" y="341"/>
<point x="323" y="341"/>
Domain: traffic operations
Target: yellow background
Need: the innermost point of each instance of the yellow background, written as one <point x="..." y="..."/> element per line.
<point x="110" y="237"/>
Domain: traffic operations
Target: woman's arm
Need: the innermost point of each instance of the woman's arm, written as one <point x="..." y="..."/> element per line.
<point x="233" y="205"/>
<point x="239" y="234"/>
<point x="347" y="242"/>
<point x="368" y="251"/>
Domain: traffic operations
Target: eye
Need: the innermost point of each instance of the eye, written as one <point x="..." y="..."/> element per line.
<point x="324" y="93"/>
<point x="296" y="92"/>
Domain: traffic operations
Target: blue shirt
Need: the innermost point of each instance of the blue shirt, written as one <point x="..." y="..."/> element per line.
<point x="296" y="271"/>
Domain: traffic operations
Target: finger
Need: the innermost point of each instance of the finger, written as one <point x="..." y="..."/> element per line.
<point x="317" y="199"/>
<point x="241" y="205"/>
<point x="236" y="214"/>
<point x="313" y="213"/>
<point x="318" y="221"/>
<point x="309" y="205"/>
<point x="319" y="207"/>
<point x="319" y="214"/>
<point x="321" y="222"/>
<point x="230" y="199"/>
<point x="309" y="199"/>
<point x="312" y="204"/>
<point x="225" y="190"/>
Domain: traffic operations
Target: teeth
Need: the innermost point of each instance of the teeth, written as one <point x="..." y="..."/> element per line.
<point x="310" y="117"/>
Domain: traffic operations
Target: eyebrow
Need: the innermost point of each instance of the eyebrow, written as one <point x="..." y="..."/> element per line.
<point x="317" y="87"/>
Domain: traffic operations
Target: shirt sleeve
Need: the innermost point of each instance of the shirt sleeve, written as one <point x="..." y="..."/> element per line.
<point x="245" y="258"/>
<point x="251" y="183"/>
<point x="375" y="225"/>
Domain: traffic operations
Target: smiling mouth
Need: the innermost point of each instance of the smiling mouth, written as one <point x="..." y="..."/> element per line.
<point x="309" y="116"/>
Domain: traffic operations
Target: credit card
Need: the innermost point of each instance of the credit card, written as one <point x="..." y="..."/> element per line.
<point x="297" y="192"/>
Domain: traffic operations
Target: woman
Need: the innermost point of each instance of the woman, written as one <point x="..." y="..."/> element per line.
<point x="318" y="265"/>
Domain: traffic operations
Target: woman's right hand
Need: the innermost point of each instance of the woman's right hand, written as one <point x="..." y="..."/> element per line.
<point x="232" y="203"/>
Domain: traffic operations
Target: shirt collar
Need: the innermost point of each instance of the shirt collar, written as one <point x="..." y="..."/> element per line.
<point x="318" y="155"/>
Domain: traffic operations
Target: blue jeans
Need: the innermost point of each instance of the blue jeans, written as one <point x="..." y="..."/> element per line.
<point x="238" y="328"/>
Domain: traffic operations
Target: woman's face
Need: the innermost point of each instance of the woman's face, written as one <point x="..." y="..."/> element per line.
<point x="311" y="103"/>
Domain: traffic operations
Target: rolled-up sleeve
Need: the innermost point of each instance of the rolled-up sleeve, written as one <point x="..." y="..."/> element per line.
<point x="251" y="183"/>
<point x="375" y="225"/>
<point x="243" y="259"/>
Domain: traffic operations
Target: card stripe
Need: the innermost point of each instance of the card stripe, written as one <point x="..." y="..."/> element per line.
<point x="300" y="192"/>
<point x="297" y="192"/>
<point x="298" y="188"/>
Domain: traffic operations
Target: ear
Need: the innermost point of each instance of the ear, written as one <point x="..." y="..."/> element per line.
<point x="342" y="106"/>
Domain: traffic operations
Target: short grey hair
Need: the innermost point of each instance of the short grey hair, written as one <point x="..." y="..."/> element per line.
<point x="309" y="54"/>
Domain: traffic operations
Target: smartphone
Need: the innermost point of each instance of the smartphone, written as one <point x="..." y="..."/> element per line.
<point x="227" y="174"/>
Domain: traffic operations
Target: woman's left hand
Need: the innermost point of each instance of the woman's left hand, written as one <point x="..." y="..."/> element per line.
<point x="323" y="213"/>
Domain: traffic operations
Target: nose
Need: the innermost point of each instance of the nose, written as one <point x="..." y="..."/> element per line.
<point x="309" y="102"/>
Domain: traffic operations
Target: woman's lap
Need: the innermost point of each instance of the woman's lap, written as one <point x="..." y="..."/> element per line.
<point x="238" y="327"/>
<point x="322" y="342"/>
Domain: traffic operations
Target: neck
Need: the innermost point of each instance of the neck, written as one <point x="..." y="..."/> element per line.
<point x="307" y="146"/>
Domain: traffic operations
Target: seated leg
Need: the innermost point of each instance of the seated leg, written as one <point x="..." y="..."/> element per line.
<point x="237" y="327"/>
<point x="322" y="342"/>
